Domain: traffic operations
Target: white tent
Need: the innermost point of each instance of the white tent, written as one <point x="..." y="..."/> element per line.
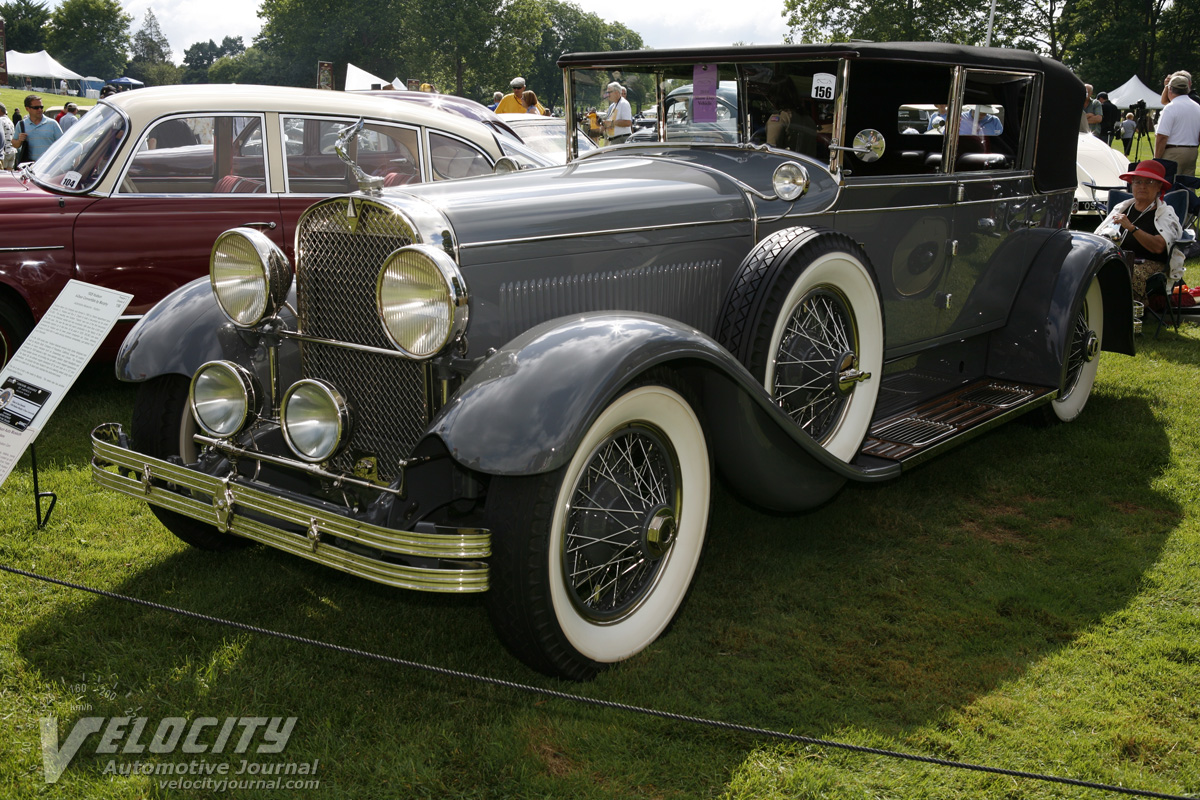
<point x="359" y="79"/>
<point x="38" y="65"/>
<point x="1132" y="91"/>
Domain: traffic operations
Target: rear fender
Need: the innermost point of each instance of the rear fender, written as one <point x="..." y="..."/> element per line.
<point x="526" y="408"/>
<point x="1030" y="348"/>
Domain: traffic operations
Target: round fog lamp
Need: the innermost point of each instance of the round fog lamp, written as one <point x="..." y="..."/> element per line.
<point x="790" y="181"/>
<point x="422" y="300"/>
<point x="223" y="395"/>
<point x="316" y="419"/>
<point x="250" y="276"/>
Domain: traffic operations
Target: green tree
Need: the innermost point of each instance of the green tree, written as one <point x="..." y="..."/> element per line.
<point x="252" y="65"/>
<point x="90" y="36"/>
<point x="571" y="30"/>
<point x="25" y="25"/>
<point x="296" y="34"/>
<point x="198" y="58"/>
<point x="151" y="55"/>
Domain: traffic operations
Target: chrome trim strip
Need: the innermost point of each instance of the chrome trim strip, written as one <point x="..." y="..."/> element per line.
<point x="609" y="232"/>
<point x="229" y="497"/>
<point x="30" y="249"/>
<point x="129" y="318"/>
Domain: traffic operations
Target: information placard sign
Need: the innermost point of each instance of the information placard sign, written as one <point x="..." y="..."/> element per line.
<point x="39" y="374"/>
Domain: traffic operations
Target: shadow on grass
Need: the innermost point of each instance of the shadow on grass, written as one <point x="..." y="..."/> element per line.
<point x="879" y="610"/>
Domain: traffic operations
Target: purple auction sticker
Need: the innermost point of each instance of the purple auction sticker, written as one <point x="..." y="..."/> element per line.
<point x="704" y="93"/>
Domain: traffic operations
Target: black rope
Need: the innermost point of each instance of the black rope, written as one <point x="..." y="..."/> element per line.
<point x="592" y="701"/>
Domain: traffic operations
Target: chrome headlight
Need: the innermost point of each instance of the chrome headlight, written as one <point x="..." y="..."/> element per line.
<point x="422" y="300"/>
<point x="223" y="396"/>
<point x="790" y="181"/>
<point x="315" y="418"/>
<point x="250" y="275"/>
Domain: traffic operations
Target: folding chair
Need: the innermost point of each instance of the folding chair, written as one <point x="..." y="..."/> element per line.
<point x="1159" y="288"/>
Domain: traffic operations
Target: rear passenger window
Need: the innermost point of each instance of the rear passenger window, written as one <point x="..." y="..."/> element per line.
<point x="312" y="165"/>
<point x="454" y="158"/>
<point x="989" y="127"/>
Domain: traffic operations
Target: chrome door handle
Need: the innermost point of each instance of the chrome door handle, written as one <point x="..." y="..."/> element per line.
<point x="268" y="225"/>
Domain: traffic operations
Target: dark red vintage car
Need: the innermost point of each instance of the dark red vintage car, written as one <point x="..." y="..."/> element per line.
<point x="134" y="195"/>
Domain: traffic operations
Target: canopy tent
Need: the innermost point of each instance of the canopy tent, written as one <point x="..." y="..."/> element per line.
<point x="1131" y="91"/>
<point x="127" y="82"/>
<point x="38" y="65"/>
<point x="90" y="86"/>
<point x="359" y="79"/>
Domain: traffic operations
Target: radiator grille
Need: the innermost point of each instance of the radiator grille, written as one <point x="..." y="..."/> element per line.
<point x="340" y="248"/>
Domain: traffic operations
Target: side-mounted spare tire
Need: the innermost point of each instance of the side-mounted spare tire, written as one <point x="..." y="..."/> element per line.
<point x="804" y="317"/>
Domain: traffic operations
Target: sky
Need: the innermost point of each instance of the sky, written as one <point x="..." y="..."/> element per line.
<point x="661" y="23"/>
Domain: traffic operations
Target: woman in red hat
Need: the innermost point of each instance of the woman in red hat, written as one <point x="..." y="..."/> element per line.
<point x="1145" y="225"/>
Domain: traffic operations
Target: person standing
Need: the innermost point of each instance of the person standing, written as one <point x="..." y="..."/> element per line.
<point x="8" y="151"/>
<point x="511" y="102"/>
<point x="36" y="129"/>
<point x="69" y="117"/>
<point x="1128" y="127"/>
<point x="1110" y="118"/>
<point x="618" y="122"/>
<point x="1178" y="131"/>
<point x="1092" y="111"/>
<point x="496" y="98"/>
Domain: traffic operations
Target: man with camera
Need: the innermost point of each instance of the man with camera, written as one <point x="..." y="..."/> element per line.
<point x="1178" y="131"/>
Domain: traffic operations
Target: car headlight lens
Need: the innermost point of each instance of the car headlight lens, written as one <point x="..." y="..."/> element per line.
<point x="422" y="300"/>
<point x="315" y="418"/>
<point x="223" y="396"/>
<point x="250" y="275"/>
<point x="790" y="181"/>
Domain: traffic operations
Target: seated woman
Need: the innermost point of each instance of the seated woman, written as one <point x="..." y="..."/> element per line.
<point x="1144" y="225"/>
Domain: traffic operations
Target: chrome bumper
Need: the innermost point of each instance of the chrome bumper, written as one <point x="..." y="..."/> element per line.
<point x="230" y="500"/>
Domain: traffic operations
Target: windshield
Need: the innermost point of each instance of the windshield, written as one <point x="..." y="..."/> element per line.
<point x="77" y="161"/>
<point x="786" y="104"/>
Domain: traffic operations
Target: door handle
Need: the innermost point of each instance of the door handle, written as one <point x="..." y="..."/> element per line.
<point x="268" y="225"/>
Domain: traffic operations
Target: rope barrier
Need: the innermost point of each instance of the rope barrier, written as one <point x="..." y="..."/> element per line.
<point x="592" y="701"/>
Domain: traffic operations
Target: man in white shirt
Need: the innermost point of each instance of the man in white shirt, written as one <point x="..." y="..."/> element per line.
<point x="618" y="123"/>
<point x="1178" y="131"/>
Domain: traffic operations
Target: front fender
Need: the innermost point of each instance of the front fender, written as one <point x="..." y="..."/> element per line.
<point x="1031" y="346"/>
<point x="525" y="409"/>
<point x="186" y="329"/>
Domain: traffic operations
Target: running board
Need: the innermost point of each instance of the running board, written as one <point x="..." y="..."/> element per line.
<point x="947" y="421"/>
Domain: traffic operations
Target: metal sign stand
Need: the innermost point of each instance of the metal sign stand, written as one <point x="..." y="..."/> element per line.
<point x="38" y="494"/>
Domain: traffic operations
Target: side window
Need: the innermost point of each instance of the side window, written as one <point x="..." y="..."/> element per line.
<point x="199" y="155"/>
<point x="907" y="103"/>
<point x="454" y="158"/>
<point x="312" y="165"/>
<point x="791" y="105"/>
<point x="991" y="121"/>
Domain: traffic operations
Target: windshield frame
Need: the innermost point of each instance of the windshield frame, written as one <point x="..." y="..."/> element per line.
<point x="74" y="147"/>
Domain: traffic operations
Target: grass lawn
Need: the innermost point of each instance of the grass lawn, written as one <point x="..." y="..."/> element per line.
<point x="14" y="100"/>
<point x="1028" y="601"/>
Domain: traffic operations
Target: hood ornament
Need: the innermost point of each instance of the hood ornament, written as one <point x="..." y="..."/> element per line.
<point x="367" y="184"/>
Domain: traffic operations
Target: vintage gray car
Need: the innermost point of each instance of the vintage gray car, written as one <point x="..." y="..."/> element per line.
<point x="522" y="385"/>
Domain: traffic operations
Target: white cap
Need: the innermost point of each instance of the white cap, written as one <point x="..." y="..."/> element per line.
<point x="517" y="81"/>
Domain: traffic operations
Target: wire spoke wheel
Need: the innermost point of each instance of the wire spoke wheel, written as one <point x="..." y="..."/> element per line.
<point x="817" y="351"/>
<point x="1081" y="358"/>
<point x="620" y="523"/>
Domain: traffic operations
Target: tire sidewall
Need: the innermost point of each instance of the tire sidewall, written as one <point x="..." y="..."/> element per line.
<point x="1068" y="407"/>
<point x="846" y="274"/>
<point x="670" y="414"/>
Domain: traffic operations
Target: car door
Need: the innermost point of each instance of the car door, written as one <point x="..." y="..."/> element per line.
<point x="189" y="178"/>
<point x="994" y="209"/>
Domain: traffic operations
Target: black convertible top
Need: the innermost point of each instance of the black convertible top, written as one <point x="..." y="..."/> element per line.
<point x="1062" y="97"/>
